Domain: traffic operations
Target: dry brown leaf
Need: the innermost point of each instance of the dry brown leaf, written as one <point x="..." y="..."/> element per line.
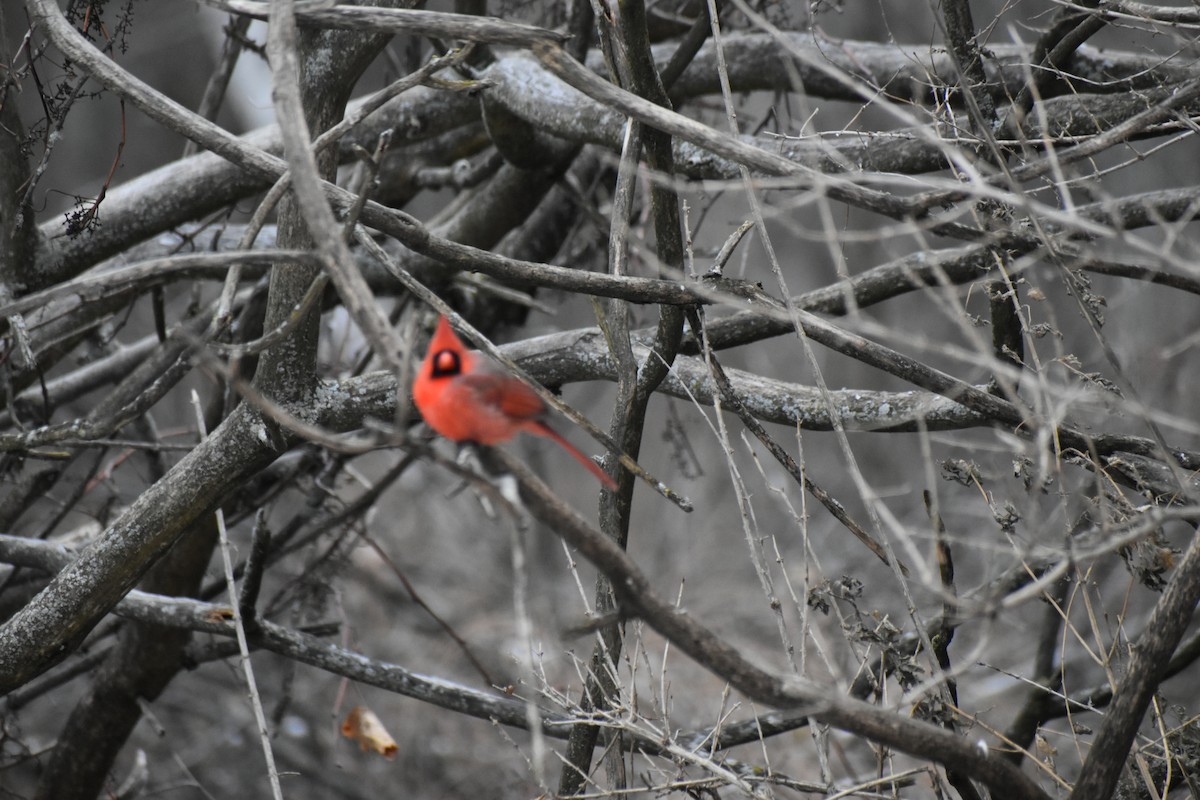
<point x="364" y="727"/>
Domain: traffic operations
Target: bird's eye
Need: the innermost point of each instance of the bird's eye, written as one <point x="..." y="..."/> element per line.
<point x="446" y="363"/>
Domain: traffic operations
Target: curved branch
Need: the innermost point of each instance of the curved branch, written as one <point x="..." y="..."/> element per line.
<point x="572" y="72"/>
<point x="154" y="272"/>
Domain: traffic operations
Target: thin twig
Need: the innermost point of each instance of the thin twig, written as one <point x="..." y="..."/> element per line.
<point x="260" y="717"/>
<point x="721" y="658"/>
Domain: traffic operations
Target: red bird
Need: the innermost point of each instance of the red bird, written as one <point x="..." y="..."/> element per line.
<point x="466" y="397"/>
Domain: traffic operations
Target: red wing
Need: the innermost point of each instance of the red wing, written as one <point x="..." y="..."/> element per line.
<point x="504" y="392"/>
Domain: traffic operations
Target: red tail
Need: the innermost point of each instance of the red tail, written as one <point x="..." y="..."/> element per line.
<point x="542" y="429"/>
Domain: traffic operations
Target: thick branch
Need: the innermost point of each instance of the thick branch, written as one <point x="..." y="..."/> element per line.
<point x="50" y="626"/>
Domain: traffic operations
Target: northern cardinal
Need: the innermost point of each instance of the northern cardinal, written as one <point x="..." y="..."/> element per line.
<point x="466" y="397"/>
